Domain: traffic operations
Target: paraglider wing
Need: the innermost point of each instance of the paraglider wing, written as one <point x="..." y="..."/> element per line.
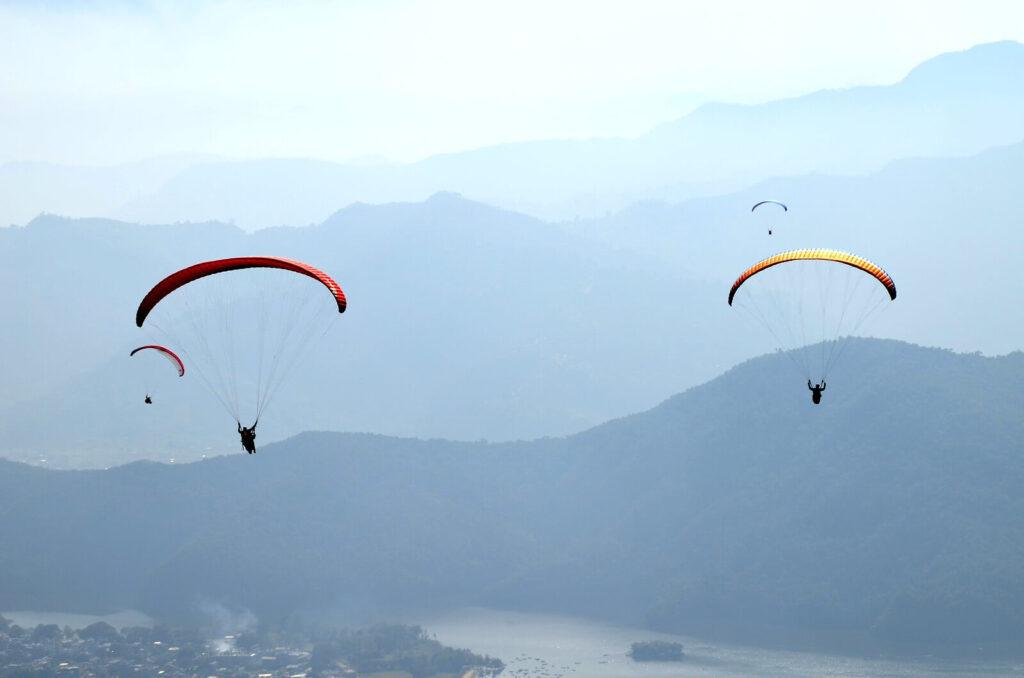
<point x="192" y="273"/>
<point x="243" y="332"/>
<point x="165" y="352"/>
<point x="817" y="255"/>
<point x="770" y="202"/>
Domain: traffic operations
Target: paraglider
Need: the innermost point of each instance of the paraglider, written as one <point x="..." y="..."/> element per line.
<point x="811" y="301"/>
<point x="243" y="324"/>
<point x="167" y="353"/>
<point x="248" y="437"/>
<point x="816" y="391"/>
<point x="770" y="202"/>
<point x="824" y="255"/>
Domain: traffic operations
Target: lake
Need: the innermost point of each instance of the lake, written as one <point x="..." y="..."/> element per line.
<point x="547" y="646"/>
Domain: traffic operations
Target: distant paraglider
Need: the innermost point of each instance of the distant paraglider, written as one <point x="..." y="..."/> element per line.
<point x="770" y="202"/>
<point x="171" y="356"/>
<point x="165" y="352"/>
<point x="243" y="324"/>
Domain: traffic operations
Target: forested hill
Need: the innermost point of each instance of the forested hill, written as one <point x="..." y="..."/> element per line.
<point x="893" y="510"/>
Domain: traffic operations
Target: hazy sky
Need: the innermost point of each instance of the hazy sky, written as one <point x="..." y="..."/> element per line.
<point x="105" y="82"/>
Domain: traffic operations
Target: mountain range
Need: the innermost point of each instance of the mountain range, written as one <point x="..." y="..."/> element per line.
<point x="521" y="328"/>
<point x="891" y="512"/>
<point x="954" y="104"/>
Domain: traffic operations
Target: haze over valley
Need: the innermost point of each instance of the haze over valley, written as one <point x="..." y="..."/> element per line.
<point x="524" y="429"/>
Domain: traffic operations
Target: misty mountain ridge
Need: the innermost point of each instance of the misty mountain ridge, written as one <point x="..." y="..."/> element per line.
<point x="484" y="291"/>
<point x="30" y="188"/>
<point x="954" y="104"/>
<point x="722" y="147"/>
<point x="524" y="328"/>
<point x="927" y="221"/>
<point x="891" y="512"/>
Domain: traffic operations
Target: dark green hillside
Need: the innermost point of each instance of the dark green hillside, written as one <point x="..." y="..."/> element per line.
<point x="749" y="505"/>
<point x="893" y="511"/>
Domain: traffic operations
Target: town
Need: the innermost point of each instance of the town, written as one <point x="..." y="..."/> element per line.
<point x="101" y="650"/>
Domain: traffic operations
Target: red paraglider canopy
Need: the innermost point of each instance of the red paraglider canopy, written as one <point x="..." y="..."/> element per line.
<point x="165" y="352"/>
<point x="187" y="275"/>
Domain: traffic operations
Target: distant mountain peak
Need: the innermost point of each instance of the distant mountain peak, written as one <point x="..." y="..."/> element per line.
<point x="447" y="197"/>
<point x="450" y="202"/>
<point x="49" y="220"/>
<point x="994" y="62"/>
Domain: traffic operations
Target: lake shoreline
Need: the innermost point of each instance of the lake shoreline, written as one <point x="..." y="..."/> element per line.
<point x="539" y="644"/>
<point x="599" y="649"/>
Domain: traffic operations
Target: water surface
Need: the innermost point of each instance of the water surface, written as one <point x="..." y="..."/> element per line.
<point x="548" y="646"/>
